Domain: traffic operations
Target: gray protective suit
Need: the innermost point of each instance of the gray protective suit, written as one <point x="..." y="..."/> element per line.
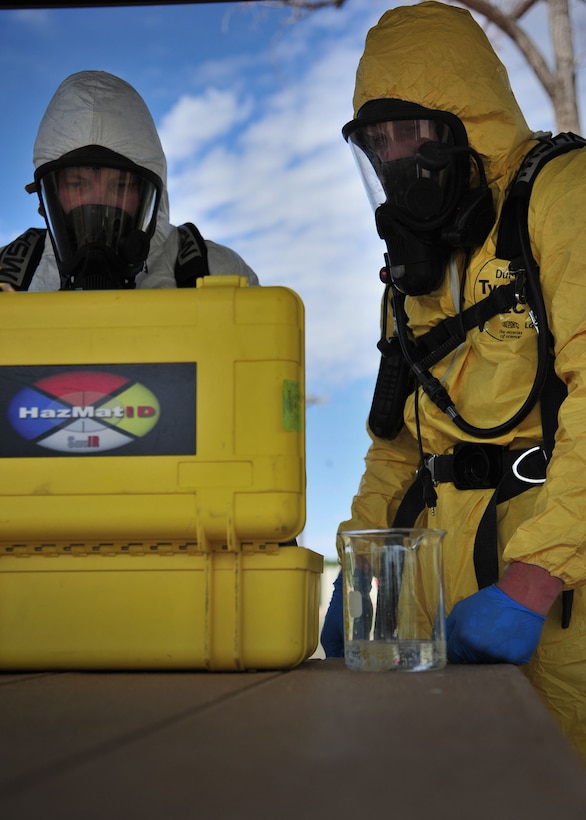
<point x="96" y="108"/>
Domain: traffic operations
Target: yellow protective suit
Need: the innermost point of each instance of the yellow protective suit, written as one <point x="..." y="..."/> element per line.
<point x="437" y="56"/>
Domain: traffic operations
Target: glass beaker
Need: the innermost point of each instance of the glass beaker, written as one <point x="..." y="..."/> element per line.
<point x="394" y="612"/>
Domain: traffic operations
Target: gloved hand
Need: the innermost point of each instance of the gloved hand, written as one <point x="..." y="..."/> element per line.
<point x="332" y="634"/>
<point x="491" y="627"/>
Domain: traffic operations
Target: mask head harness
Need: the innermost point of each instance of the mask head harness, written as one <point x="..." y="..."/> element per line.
<point x="415" y="165"/>
<point x="100" y="209"/>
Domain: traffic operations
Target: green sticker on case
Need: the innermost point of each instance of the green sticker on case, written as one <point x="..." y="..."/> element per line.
<point x="292" y="406"/>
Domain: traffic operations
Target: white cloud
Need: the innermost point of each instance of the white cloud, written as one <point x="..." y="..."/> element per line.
<point x="195" y="121"/>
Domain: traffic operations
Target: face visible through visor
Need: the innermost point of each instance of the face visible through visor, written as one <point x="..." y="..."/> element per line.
<point x="403" y="153"/>
<point x="101" y="214"/>
<point x="387" y="141"/>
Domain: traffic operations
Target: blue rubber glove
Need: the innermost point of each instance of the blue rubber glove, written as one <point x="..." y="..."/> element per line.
<point x="332" y="634"/>
<point x="491" y="627"/>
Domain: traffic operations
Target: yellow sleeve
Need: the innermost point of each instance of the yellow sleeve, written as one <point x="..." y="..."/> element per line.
<point x="389" y="470"/>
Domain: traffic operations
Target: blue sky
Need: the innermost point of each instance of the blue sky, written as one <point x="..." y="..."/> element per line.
<point x="250" y="99"/>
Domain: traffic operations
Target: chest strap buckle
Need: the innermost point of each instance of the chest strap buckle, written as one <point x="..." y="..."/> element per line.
<point x="482" y="466"/>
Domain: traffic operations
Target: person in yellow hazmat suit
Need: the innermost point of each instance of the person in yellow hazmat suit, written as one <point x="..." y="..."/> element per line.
<point x="466" y="440"/>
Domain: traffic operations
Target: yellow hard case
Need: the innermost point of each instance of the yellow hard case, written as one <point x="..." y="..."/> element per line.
<point x="152" y="465"/>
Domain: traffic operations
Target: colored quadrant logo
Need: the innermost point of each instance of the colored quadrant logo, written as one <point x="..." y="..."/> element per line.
<point x="84" y="412"/>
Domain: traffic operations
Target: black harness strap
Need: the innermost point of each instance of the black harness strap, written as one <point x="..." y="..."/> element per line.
<point x="508" y="243"/>
<point x="448" y="334"/>
<point x="20" y="259"/>
<point x="192" y="258"/>
<point x="411" y="506"/>
<point x="510" y="485"/>
<point x="476" y="467"/>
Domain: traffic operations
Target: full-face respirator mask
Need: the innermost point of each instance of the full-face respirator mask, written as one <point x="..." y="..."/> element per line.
<point x="415" y="165"/>
<point x="101" y="213"/>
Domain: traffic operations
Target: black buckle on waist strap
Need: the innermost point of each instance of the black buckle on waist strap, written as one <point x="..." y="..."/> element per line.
<point x="482" y="466"/>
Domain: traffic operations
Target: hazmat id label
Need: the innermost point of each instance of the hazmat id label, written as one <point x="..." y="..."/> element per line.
<point x="88" y="410"/>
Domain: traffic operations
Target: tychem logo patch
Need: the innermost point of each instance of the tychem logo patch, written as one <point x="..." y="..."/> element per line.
<point x="93" y="410"/>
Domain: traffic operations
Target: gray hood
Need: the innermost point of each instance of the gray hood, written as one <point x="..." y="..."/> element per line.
<point x="96" y="108"/>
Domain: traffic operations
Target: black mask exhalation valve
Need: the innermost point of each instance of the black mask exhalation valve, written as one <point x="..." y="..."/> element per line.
<point x="420" y="197"/>
<point x="111" y="255"/>
<point x="420" y="234"/>
<point x="97" y="267"/>
<point x="416" y="261"/>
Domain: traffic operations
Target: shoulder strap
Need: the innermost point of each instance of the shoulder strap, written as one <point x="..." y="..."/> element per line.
<point x="517" y="203"/>
<point x="192" y="258"/>
<point x="513" y="243"/>
<point x="20" y="259"/>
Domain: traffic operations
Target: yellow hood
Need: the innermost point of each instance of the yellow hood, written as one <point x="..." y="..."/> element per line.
<point x="410" y="55"/>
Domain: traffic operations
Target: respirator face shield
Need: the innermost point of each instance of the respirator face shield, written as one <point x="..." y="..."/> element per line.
<point x="415" y="166"/>
<point x="387" y="155"/>
<point x="101" y="212"/>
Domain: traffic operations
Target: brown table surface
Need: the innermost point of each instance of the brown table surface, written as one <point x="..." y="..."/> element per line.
<point x="319" y="741"/>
